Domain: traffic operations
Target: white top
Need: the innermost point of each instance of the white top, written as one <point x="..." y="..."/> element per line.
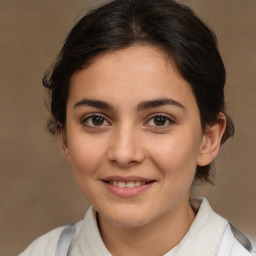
<point x="209" y="235"/>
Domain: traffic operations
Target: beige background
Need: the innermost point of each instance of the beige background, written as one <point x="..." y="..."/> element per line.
<point x="38" y="192"/>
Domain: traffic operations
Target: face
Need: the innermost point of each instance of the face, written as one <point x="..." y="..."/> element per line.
<point x="133" y="135"/>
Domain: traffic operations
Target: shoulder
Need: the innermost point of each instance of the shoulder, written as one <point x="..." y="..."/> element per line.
<point x="239" y="250"/>
<point x="234" y="243"/>
<point x="44" y="245"/>
<point x="213" y="231"/>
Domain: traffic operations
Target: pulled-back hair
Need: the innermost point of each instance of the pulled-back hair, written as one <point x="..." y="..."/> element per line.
<point x="166" y="24"/>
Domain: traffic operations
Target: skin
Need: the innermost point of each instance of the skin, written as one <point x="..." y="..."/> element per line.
<point x="128" y="140"/>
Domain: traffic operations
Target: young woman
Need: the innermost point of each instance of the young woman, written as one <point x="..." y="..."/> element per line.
<point x="137" y="98"/>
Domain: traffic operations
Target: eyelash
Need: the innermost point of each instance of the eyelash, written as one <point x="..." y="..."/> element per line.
<point x="104" y="119"/>
<point x="90" y="116"/>
<point x="162" y="115"/>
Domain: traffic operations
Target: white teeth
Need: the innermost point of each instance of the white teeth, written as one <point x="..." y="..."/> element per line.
<point x="130" y="184"/>
<point x="121" y="184"/>
<point x="137" y="183"/>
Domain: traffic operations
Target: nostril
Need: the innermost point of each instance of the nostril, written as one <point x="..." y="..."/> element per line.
<point x="124" y="155"/>
<point x="124" y="163"/>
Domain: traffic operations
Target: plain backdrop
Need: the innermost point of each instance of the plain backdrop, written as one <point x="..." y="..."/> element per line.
<point x="37" y="189"/>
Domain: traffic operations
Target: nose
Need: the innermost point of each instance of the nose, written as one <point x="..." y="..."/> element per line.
<point x="125" y="148"/>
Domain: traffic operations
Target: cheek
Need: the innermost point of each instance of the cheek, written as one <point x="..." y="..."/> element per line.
<point x="177" y="155"/>
<point x="176" y="164"/>
<point x="87" y="157"/>
<point x="87" y="154"/>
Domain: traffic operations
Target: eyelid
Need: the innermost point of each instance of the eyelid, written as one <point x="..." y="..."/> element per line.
<point x="93" y="114"/>
<point x="168" y="117"/>
<point x="86" y="117"/>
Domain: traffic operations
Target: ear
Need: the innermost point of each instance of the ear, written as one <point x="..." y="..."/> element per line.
<point x="64" y="145"/>
<point x="211" y="141"/>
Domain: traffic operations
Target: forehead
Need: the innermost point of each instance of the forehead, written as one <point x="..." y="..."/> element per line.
<point x="135" y="57"/>
<point x="136" y="73"/>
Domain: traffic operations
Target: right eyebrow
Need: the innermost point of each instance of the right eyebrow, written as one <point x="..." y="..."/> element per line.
<point x="158" y="103"/>
<point x="94" y="103"/>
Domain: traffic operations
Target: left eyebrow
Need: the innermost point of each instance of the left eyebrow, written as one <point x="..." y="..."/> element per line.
<point x="158" y="103"/>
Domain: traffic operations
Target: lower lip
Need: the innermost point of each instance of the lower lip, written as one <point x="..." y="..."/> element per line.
<point x="127" y="192"/>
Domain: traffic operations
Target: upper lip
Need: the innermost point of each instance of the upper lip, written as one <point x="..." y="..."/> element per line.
<point x="126" y="179"/>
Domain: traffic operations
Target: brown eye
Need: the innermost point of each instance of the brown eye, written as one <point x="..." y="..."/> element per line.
<point x="95" y="121"/>
<point x="160" y="120"/>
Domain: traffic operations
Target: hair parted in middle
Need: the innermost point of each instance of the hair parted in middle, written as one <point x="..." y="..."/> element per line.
<point x="165" y="24"/>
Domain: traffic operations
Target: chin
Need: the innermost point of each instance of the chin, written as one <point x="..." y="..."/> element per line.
<point x="126" y="218"/>
<point x="129" y="222"/>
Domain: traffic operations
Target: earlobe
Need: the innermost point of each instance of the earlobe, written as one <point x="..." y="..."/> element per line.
<point x="211" y="141"/>
<point x="64" y="145"/>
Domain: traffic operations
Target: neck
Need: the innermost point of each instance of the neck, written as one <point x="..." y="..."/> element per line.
<point x="155" y="238"/>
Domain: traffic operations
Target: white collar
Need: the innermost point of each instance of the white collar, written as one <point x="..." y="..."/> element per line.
<point x="204" y="236"/>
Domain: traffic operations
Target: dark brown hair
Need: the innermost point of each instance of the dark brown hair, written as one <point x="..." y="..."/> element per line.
<point x="166" y="24"/>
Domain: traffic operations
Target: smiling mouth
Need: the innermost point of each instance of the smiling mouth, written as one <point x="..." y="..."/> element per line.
<point x="129" y="184"/>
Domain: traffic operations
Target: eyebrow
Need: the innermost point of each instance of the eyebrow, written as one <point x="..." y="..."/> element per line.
<point x="141" y="106"/>
<point x="158" y="103"/>
<point x="94" y="103"/>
